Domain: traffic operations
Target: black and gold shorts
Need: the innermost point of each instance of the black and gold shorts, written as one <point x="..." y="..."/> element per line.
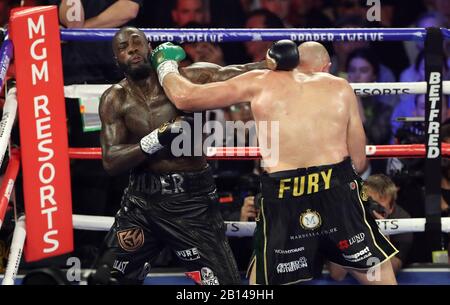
<point x="312" y="212"/>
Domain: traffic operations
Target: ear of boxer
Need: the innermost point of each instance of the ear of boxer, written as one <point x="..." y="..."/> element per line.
<point x="283" y="56"/>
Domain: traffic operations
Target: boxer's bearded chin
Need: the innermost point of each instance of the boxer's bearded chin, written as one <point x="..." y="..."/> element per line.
<point x="136" y="73"/>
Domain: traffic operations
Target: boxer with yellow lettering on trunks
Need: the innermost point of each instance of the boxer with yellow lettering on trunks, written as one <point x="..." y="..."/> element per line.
<point x="311" y="202"/>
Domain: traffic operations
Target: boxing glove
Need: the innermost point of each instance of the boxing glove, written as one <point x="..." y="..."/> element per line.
<point x="165" y="59"/>
<point x="164" y="135"/>
<point x="283" y="55"/>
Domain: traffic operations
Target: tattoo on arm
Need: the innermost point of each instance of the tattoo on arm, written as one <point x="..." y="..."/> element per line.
<point x="202" y="73"/>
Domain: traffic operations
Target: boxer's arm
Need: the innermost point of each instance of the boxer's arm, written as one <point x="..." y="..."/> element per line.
<point x="193" y="97"/>
<point x="116" y="156"/>
<point x="204" y="72"/>
<point x="356" y="137"/>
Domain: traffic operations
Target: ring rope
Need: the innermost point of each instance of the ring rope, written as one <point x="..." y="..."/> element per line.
<point x="242" y="229"/>
<point x="242" y="35"/>
<point x="252" y="153"/>
<point x="361" y="89"/>
<point x="6" y="54"/>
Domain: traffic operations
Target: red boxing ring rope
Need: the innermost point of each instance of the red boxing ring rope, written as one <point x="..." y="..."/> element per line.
<point x="252" y="153"/>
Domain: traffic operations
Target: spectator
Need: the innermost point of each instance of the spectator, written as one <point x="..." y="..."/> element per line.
<point x="348" y="8"/>
<point x="443" y="6"/>
<point x="415" y="50"/>
<point x="260" y="18"/>
<point x="363" y="66"/>
<point x="277" y="7"/>
<point x="5" y="8"/>
<point x="185" y="11"/>
<point x="344" y="48"/>
<point x="307" y="14"/>
<point x="92" y="62"/>
<point x="383" y="192"/>
<point x="203" y="51"/>
<point x="247" y="5"/>
<point x="407" y="105"/>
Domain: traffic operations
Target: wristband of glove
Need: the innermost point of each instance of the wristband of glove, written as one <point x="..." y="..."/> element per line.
<point x="166" y="67"/>
<point x="150" y="143"/>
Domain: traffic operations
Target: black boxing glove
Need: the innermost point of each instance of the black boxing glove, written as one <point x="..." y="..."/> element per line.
<point x="283" y="55"/>
<point x="164" y="135"/>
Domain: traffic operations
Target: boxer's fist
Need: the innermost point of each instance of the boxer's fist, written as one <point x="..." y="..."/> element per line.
<point x="163" y="136"/>
<point x="165" y="59"/>
<point x="283" y="55"/>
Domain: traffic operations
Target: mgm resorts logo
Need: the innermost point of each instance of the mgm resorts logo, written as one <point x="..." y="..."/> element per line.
<point x="310" y="220"/>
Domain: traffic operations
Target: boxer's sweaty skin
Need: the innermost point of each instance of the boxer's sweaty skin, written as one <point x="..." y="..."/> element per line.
<point x="318" y="116"/>
<point x="131" y="109"/>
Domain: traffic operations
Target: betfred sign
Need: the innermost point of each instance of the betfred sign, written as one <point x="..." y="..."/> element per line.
<point x="43" y="132"/>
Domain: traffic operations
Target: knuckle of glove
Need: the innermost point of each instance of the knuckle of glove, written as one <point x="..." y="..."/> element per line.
<point x="284" y="55"/>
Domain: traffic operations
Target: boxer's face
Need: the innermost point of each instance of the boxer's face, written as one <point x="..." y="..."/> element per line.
<point x="132" y="52"/>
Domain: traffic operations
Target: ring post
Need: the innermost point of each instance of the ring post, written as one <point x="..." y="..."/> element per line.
<point x="43" y="132"/>
<point x="434" y="60"/>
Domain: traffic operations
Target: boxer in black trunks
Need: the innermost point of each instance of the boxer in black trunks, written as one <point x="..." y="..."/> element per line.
<point x="170" y="201"/>
<point x="311" y="202"/>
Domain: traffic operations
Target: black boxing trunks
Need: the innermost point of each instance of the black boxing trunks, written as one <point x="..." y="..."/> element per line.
<point x="311" y="212"/>
<point x="178" y="210"/>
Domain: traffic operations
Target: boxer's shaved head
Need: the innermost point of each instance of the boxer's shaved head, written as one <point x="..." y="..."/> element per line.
<point x="314" y="56"/>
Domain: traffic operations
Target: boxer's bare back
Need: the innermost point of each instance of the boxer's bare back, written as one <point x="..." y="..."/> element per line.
<point x="318" y="116"/>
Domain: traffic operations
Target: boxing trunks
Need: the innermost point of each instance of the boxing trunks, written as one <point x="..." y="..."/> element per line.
<point x="308" y="212"/>
<point x="178" y="210"/>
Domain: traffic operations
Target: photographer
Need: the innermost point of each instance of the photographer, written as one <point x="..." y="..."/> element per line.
<point x="383" y="192"/>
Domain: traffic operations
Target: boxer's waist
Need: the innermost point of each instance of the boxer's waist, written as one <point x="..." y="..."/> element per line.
<point x="305" y="181"/>
<point x="147" y="184"/>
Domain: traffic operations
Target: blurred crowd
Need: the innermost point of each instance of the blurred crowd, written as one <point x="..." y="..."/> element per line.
<point x="395" y="185"/>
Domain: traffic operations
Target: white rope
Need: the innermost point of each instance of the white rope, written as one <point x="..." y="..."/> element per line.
<point x="6" y="124"/>
<point x="361" y="89"/>
<point x="240" y="229"/>
<point x="15" y="252"/>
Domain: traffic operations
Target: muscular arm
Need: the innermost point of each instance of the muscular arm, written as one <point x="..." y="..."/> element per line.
<point x="188" y="96"/>
<point x="116" y="15"/>
<point x="71" y="13"/>
<point x="117" y="157"/>
<point x="203" y="72"/>
<point x="356" y="138"/>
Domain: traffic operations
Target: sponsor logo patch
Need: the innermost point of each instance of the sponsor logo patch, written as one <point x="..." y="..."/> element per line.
<point x="359" y="256"/>
<point x="346" y="243"/>
<point x="310" y="220"/>
<point x="188" y="254"/>
<point x="292" y="266"/>
<point x="288" y="251"/>
<point x="131" y="239"/>
<point x="120" y="265"/>
<point x="203" y="277"/>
